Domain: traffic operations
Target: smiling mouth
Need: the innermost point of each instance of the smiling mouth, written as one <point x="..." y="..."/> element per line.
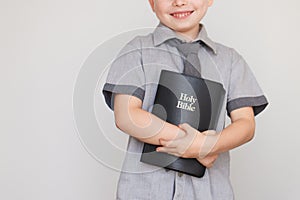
<point x="181" y="15"/>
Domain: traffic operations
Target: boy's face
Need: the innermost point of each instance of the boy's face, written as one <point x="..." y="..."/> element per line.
<point x="183" y="16"/>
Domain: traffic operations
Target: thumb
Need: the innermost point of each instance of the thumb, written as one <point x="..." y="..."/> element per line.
<point x="162" y="142"/>
<point x="209" y="132"/>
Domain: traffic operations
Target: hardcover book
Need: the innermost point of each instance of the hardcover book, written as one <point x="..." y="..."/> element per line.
<point x="181" y="99"/>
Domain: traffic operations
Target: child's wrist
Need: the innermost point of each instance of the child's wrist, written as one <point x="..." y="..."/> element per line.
<point x="209" y="140"/>
<point x="196" y="145"/>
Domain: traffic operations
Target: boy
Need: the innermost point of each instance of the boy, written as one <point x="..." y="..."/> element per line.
<point x="130" y="90"/>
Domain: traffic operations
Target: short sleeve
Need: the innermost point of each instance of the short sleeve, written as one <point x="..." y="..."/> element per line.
<point x="244" y="90"/>
<point x="125" y="76"/>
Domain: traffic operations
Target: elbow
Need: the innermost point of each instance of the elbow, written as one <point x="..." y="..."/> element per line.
<point x="251" y="132"/>
<point x="117" y="124"/>
<point x="120" y="123"/>
<point x="120" y="126"/>
<point x="123" y="123"/>
<point x="251" y="136"/>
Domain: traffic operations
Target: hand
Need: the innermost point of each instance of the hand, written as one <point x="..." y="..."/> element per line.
<point x="211" y="138"/>
<point x="208" y="161"/>
<point x="192" y="144"/>
<point x="186" y="146"/>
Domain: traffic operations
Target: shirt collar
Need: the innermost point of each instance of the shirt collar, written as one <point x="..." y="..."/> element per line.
<point x="163" y="33"/>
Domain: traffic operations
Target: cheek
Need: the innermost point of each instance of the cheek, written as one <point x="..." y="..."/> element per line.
<point x="161" y="13"/>
<point x="160" y="10"/>
<point x="161" y="7"/>
<point x="201" y="4"/>
<point x="202" y="8"/>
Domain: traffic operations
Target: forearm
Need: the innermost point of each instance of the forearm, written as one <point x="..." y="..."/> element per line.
<point x="141" y="124"/>
<point x="209" y="144"/>
<point x="236" y="134"/>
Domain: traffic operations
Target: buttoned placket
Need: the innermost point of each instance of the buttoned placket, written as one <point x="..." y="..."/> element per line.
<point x="179" y="186"/>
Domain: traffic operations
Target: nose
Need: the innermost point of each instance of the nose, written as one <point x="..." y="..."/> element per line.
<point x="179" y="2"/>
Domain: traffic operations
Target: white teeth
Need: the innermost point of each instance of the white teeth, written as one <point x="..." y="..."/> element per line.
<point x="181" y="15"/>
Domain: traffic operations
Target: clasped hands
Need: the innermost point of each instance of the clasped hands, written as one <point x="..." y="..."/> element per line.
<point x="190" y="143"/>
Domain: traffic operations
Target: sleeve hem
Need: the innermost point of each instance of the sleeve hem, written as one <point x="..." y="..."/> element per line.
<point x="109" y="90"/>
<point x="258" y="104"/>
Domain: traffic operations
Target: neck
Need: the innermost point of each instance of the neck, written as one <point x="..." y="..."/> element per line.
<point x="190" y="35"/>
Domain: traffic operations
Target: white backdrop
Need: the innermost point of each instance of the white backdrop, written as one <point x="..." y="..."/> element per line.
<point x="44" y="45"/>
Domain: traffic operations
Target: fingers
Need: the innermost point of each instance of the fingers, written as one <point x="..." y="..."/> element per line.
<point x="181" y="142"/>
<point x="208" y="161"/>
<point x="169" y="150"/>
<point x="170" y="143"/>
<point x="209" y="132"/>
<point x="174" y="147"/>
<point x="182" y="146"/>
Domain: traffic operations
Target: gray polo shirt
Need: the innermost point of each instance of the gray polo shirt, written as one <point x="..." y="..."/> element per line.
<point x="136" y="72"/>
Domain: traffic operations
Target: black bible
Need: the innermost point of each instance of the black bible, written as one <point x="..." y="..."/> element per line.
<point x="181" y="99"/>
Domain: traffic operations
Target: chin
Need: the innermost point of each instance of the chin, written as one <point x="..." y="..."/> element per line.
<point x="183" y="29"/>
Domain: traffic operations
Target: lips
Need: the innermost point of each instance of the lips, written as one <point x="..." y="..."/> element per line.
<point x="182" y="14"/>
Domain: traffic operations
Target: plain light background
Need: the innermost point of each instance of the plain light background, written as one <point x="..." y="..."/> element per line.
<point x="43" y="45"/>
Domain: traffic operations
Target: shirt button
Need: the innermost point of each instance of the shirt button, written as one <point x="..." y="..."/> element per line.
<point x="180" y="174"/>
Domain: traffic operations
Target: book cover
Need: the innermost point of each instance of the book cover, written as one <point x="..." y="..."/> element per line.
<point x="181" y="99"/>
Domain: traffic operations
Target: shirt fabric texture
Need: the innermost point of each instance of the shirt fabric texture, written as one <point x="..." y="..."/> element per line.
<point x="136" y="71"/>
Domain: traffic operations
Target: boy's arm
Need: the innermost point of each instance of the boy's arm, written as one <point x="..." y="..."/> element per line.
<point x="240" y="131"/>
<point x="146" y="127"/>
<point x="194" y="143"/>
